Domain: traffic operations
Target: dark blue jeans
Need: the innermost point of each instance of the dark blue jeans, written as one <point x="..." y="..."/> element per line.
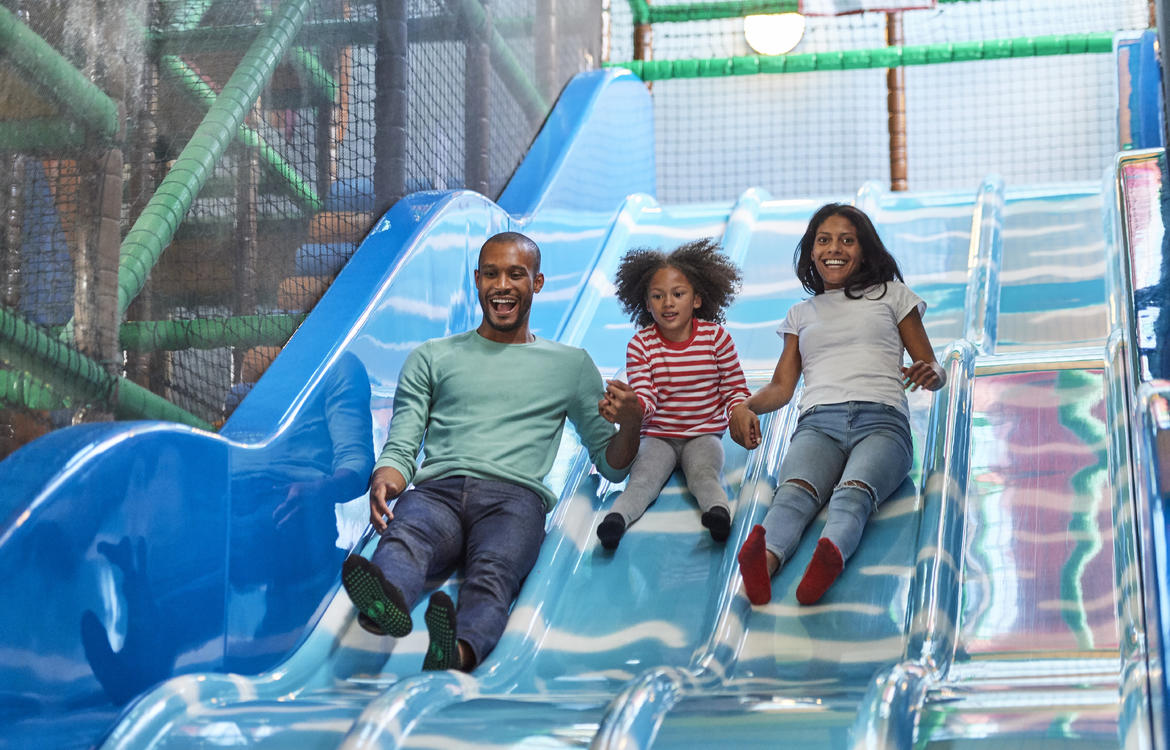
<point x="494" y="528"/>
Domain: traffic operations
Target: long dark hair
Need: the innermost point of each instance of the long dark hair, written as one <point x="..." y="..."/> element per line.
<point x="877" y="265"/>
<point x="712" y="275"/>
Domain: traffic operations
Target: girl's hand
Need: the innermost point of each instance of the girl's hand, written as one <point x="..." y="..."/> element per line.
<point x="928" y="375"/>
<point x="744" y="426"/>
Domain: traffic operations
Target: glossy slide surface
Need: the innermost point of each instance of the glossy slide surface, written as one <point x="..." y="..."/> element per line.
<point x="981" y="606"/>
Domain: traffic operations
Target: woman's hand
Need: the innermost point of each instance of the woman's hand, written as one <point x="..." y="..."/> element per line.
<point x="744" y="426"/>
<point x="928" y="375"/>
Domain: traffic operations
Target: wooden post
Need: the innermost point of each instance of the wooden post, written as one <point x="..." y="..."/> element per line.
<point x="643" y="41"/>
<point x="606" y="30"/>
<point x="12" y="210"/>
<point x="896" y="105"/>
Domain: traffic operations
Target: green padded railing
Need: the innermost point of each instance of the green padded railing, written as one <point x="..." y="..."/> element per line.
<point x="79" y="98"/>
<point x="880" y="57"/>
<point x="299" y="188"/>
<point x="645" y="13"/>
<point x="76" y="377"/>
<point x="156" y="225"/>
<point x="213" y="333"/>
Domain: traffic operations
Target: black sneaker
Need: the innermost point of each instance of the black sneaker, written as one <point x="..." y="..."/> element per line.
<point x="377" y="599"/>
<point x="443" y="649"/>
<point x="369" y="625"/>
<point x="718" y="522"/>
<point x="610" y="530"/>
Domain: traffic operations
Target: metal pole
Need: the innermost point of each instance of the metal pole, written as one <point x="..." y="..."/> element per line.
<point x="1161" y="19"/>
<point x="545" y="45"/>
<point x="247" y="241"/>
<point x="391" y="105"/>
<point x="476" y="95"/>
<point x="896" y="105"/>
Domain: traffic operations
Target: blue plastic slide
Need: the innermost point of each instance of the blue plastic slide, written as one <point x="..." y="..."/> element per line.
<point x="173" y="588"/>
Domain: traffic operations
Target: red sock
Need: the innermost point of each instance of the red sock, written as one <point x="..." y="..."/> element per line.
<point x="822" y="570"/>
<point x="753" y="566"/>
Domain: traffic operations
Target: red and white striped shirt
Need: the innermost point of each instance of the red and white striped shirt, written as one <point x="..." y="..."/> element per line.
<point x="686" y="388"/>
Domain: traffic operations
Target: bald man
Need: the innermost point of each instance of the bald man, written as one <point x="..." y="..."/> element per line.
<point x="492" y="405"/>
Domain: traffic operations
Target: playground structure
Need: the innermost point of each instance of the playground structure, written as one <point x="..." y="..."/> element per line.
<point x="1007" y="596"/>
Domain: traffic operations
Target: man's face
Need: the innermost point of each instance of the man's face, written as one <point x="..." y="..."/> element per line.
<point x="506" y="280"/>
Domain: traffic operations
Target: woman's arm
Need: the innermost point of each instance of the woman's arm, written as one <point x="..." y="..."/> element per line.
<point x="925" y="372"/>
<point x="744" y="424"/>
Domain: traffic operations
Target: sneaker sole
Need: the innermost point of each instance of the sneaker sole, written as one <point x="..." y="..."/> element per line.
<point x="442" y="651"/>
<point x="366" y="592"/>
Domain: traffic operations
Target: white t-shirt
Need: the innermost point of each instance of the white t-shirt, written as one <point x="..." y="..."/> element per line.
<point x="850" y="349"/>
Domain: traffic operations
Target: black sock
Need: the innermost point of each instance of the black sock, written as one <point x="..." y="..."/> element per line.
<point x="380" y="601"/>
<point x="610" y="530"/>
<point x="443" y="649"/>
<point x="718" y="522"/>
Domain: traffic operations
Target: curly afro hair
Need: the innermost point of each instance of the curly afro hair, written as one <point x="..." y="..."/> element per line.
<point x="714" y="278"/>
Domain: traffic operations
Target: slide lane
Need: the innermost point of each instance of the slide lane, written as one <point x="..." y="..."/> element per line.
<point x="1035" y="643"/>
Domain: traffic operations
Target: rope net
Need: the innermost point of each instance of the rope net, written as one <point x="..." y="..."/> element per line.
<point x="104" y="103"/>
<point x="825" y="132"/>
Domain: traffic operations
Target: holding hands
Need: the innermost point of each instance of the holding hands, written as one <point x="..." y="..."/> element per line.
<point x="744" y="426"/>
<point x="620" y="404"/>
<point x="928" y="375"/>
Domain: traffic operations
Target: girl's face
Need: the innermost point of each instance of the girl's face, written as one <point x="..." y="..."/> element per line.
<point x="836" y="254"/>
<point x="672" y="303"/>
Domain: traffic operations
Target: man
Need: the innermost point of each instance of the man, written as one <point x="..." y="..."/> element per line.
<point x="492" y="404"/>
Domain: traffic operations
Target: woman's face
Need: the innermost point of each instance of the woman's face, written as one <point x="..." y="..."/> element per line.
<point x="836" y="253"/>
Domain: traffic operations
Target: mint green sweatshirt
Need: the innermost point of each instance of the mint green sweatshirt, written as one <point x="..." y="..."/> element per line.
<point x="495" y="411"/>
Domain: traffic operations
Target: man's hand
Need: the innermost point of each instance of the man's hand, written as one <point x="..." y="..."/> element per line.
<point x="386" y="484"/>
<point x="620" y="404"/>
<point x="744" y="426"/>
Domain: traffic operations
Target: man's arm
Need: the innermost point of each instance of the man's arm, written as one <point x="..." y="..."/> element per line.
<point x="627" y="413"/>
<point x="611" y="452"/>
<point x="396" y="463"/>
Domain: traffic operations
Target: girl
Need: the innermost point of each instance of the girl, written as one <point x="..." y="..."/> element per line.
<point x="852" y="446"/>
<point x="684" y="370"/>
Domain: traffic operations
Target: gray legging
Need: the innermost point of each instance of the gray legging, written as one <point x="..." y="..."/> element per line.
<point x="702" y="462"/>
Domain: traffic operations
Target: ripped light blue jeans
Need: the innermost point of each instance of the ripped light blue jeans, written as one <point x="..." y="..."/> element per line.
<point x="852" y="455"/>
